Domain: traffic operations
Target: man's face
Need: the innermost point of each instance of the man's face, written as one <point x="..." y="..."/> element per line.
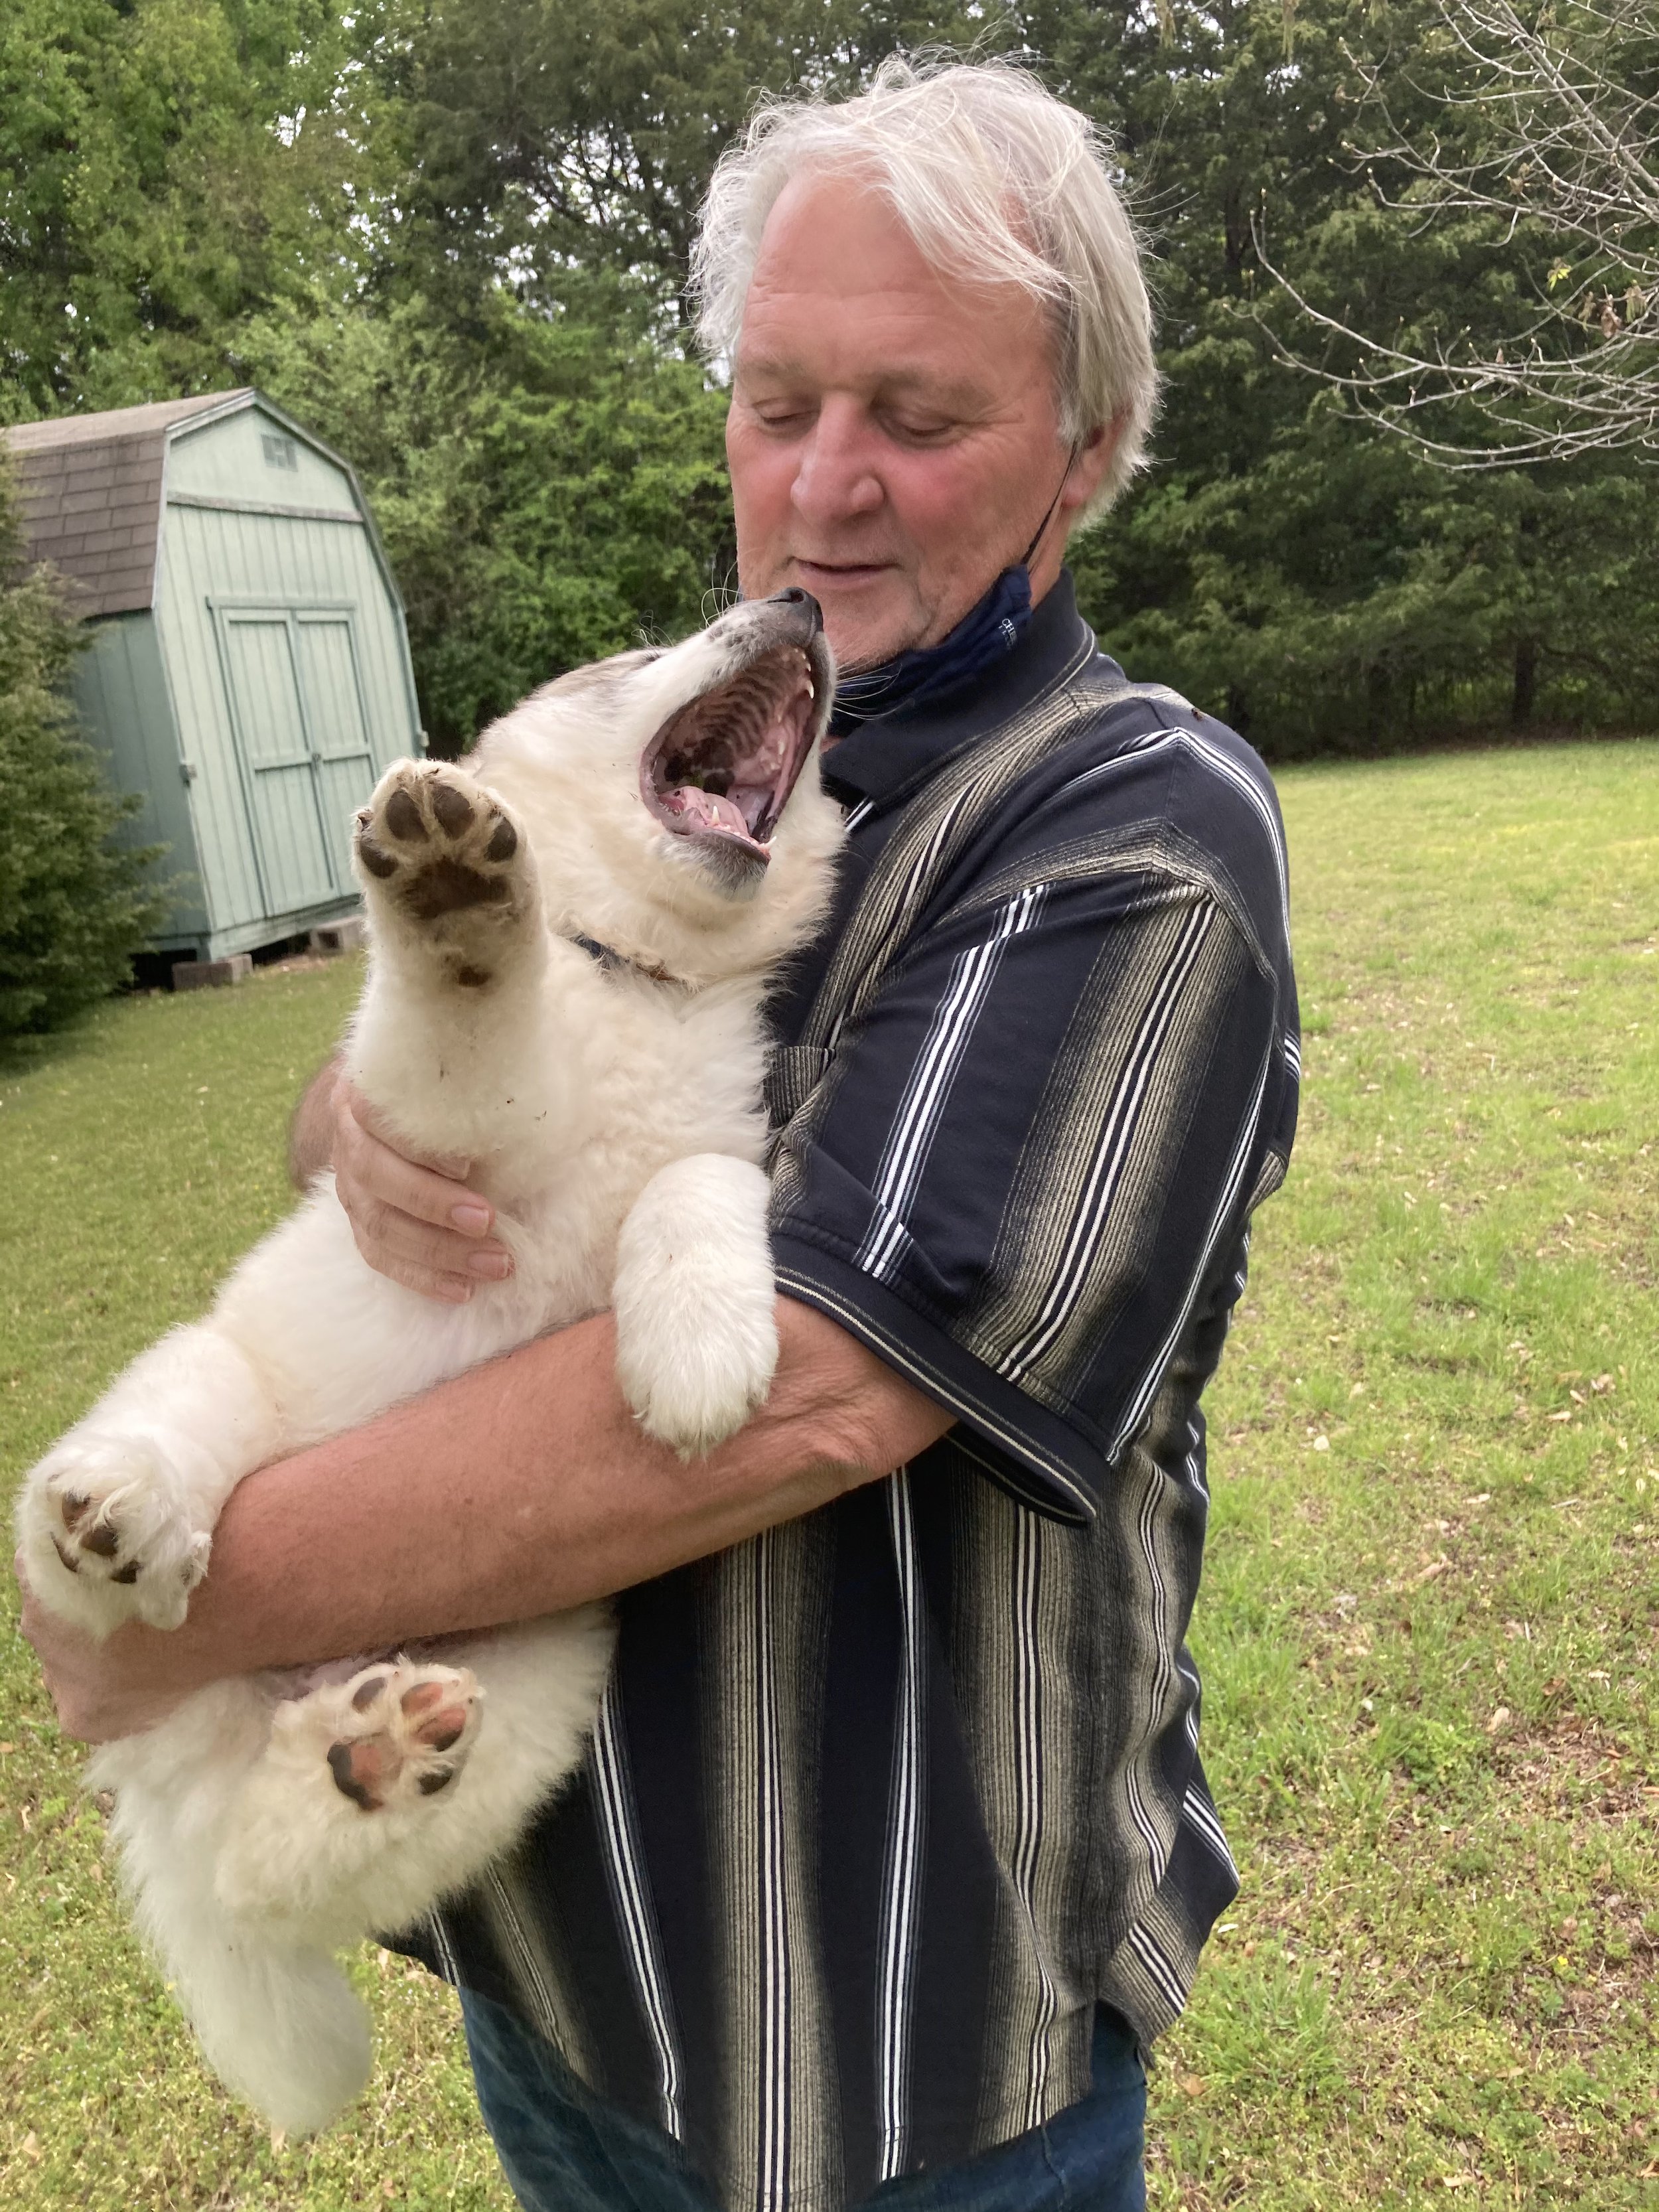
<point x="894" y="438"/>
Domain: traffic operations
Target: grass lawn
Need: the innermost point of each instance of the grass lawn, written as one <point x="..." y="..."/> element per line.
<point x="1429" y="1623"/>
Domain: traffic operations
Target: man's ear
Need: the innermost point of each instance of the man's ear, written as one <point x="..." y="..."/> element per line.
<point x="1089" y="464"/>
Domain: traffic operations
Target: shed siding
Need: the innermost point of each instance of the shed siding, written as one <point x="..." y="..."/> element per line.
<point x="250" y="455"/>
<point x="121" y="697"/>
<point x="217" y="566"/>
<point x="257" y="681"/>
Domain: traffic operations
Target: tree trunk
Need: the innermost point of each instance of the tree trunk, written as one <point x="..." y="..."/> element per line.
<point x="1526" y="682"/>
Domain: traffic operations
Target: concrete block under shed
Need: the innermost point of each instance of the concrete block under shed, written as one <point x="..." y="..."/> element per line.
<point x="206" y="974"/>
<point x="350" y="934"/>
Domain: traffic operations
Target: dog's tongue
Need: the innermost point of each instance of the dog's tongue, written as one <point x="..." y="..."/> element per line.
<point x="705" y="810"/>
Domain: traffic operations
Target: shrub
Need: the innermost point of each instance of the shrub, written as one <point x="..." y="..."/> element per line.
<point x="74" y="906"/>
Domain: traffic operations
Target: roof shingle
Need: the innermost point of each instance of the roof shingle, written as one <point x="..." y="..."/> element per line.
<point x="91" y="495"/>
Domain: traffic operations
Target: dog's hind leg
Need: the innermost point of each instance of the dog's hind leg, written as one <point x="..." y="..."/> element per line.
<point x="277" y="2018"/>
<point x="376" y="1795"/>
<point x="115" y="1523"/>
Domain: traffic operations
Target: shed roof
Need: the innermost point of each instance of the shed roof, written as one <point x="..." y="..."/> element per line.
<point x="90" y="492"/>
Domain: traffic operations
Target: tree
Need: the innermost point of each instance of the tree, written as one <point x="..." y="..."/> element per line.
<point x="543" y="136"/>
<point x="74" y="906"/>
<point x="512" y="376"/>
<point x="453" y="236"/>
<point x="550" y="484"/>
<point x="1319" y="586"/>
<point x="167" y="169"/>
<point x="1542" y="138"/>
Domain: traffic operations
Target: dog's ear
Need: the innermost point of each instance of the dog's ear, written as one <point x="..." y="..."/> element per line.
<point x="598" y="675"/>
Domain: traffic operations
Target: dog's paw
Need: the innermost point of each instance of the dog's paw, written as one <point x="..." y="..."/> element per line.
<point x="696" y="1337"/>
<point x="398" y="1732"/>
<point x="109" y="1536"/>
<point x="448" y="857"/>
<point x="692" y="1388"/>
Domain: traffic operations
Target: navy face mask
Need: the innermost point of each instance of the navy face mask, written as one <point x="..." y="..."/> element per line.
<point x="985" y="633"/>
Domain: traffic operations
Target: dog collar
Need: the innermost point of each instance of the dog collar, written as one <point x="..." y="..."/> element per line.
<point x="614" y="963"/>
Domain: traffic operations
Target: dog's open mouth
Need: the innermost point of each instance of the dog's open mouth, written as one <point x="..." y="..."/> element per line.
<point x="723" y="767"/>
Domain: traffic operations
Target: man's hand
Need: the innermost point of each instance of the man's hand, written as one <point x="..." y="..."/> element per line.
<point x="411" y="1213"/>
<point x="102" y="1691"/>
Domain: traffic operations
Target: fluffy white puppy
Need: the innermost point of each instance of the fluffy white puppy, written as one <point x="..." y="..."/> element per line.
<point x="571" y="936"/>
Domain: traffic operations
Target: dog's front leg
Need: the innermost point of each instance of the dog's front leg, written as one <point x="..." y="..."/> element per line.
<point x="696" y="1338"/>
<point x="453" y="1042"/>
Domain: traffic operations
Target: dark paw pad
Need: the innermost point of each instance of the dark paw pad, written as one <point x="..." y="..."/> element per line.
<point x="458" y="848"/>
<point x="448" y="887"/>
<point x="409" y="1726"/>
<point x="402" y="819"/>
<point x="368" y="1691"/>
<point x="91" y="1534"/>
<point x="377" y="862"/>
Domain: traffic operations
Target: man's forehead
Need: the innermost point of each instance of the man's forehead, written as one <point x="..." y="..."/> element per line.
<point x="842" y="295"/>
<point x="761" y="364"/>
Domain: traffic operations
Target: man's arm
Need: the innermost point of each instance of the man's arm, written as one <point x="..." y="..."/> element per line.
<point x="311" y="1132"/>
<point x="521" y="1487"/>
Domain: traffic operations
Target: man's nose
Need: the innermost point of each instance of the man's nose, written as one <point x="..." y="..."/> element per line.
<point x="836" y="480"/>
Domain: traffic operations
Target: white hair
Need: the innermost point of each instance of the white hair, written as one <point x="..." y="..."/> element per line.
<point x="997" y="182"/>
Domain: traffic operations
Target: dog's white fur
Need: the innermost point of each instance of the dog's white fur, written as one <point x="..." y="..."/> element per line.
<point x="614" y="1118"/>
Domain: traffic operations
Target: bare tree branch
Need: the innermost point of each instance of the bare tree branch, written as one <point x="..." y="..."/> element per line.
<point x="1550" y="134"/>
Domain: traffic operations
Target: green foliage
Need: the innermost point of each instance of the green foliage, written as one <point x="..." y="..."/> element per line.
<point x="549" y="486"/>
<point x="74" y="906"/>
<point x="1295" y="570"/>
<point x="167" y="168"/>
<point x="542" y="136"/>
<point x="1343" y="595"/>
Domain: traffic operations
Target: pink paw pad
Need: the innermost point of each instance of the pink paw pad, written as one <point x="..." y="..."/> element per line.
<point x="417" y="1724"/>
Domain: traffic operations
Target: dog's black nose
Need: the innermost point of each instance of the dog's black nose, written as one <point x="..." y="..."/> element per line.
<point x="795" y="596"/>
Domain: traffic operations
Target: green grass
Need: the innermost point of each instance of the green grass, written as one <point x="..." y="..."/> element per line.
<point x="1430" y="1625"/>
<point x="1431" y="1618"/>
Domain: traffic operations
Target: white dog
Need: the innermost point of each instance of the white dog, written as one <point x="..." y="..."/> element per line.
<point x="571" y="938"/>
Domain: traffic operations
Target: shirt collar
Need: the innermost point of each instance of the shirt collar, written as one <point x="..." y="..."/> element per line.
<point x="886" y="755"/>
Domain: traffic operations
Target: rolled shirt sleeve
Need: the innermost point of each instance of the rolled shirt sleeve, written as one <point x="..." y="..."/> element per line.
<point x="1017" y="1173"/>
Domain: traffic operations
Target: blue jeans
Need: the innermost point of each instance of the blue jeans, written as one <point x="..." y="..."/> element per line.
<point x="565" y="2150"/>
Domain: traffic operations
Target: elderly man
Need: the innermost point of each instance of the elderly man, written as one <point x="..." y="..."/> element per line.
<point x="894" y="1849"/>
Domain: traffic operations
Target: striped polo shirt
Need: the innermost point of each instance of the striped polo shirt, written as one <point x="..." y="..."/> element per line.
<point x="881" y="1804"/>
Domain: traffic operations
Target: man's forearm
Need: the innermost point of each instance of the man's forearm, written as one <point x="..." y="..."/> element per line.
<point x="520" y="1488"/>
<point x="311" y="1133"/>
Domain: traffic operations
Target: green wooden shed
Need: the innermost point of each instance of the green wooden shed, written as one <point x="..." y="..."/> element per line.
<point x="249" y="675"/>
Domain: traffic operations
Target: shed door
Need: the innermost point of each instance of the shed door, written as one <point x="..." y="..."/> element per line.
<point x="303" y="740"/>
<point x="340" y="731"/>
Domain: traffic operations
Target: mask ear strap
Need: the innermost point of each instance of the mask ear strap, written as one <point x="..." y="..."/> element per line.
<point x="1071" y="463"/>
